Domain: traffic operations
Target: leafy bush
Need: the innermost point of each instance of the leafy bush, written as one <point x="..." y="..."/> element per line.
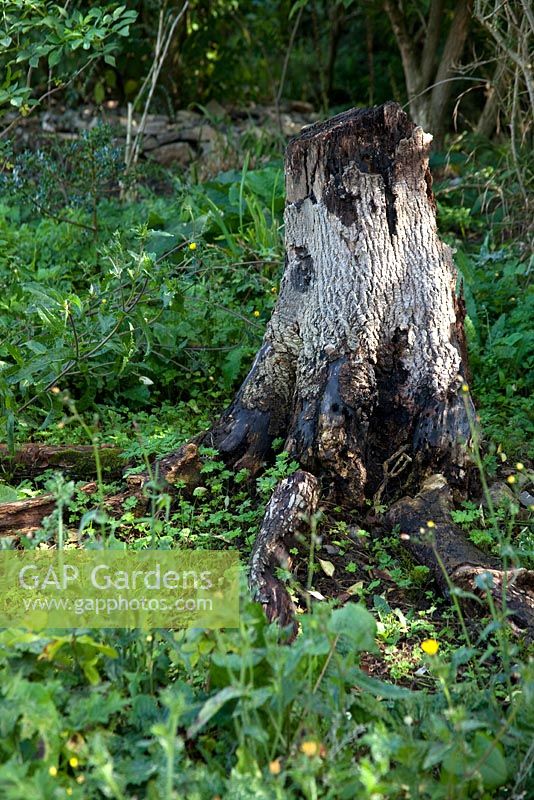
<point x="54" y="43"/>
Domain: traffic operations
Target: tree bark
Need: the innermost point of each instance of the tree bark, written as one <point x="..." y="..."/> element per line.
<point x="443" y="83"/>
<point x="487" y="121"/>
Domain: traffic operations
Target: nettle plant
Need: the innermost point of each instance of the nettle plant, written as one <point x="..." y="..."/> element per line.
<point x="45" y="46"/>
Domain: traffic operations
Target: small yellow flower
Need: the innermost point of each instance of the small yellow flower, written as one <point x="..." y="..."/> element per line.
<point x="275" y="767"/>
<point x="55" y="390"/>
<point x="256" y="313"/>
<point x="309" y="748"/>
<point x="104" y="301"/>
<point x="73" y="762"/>
<point x="148" y="638"/>
<point x="465" y="387"/>
<point x="52" y="772"/>
<point x="430" y="647"/>
<point x="274" y="290"/>
<point x="80" y="779"/>
<point x="193" y="246"/>
<point x="510" y="479"/>
<point x="431" y="524"/>
<point x="519" y="466"/>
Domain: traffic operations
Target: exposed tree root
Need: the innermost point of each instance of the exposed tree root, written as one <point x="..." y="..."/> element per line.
<point x="433" y="539"/>
<point x="288" y="514"/>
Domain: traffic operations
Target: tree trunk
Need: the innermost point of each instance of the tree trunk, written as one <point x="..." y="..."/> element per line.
<point x="497" y="88"/>
<point x="429" y="82"/>
<point x="365" y="351"/>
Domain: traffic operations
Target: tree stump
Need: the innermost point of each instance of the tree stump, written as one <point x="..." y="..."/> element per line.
<point x="362" y="362"/>
<point x="365" y="350"/>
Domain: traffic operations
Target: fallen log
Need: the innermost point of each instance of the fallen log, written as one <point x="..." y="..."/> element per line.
<point x="33" y="458"/>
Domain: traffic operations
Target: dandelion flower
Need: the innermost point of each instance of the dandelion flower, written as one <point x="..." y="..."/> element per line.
<point x="431" y="524"/>
<point x="256" y="313"/>
<point x="275" y="767"/>
<point x="430" y="647"/>
<point x="510" y="479"/>
<point x="193" y="246"/>
<point x="52" y="771"/>
<point x="309" y="748"/>
<point x="73" y="762"/>
<point x="519" y="466"/>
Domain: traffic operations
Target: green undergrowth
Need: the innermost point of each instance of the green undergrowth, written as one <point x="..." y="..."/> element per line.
<point x="132" y="322"/>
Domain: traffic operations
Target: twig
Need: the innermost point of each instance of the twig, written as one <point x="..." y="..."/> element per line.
<point x="163" y="41"/>
<point x="285" y="66"/>
<point x="44" y="96"/>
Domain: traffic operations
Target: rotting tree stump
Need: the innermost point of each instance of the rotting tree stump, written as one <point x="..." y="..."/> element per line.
<point x="362" y="363"/>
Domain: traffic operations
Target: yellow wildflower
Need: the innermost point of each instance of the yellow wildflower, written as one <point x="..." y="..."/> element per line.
<point x="430" y="647"/>
<point x="431" y="524"/>
<point x="193" y="246"/>
<point x="275" y="767"/>
<point x="310" y="748"/>
<point x="73" y="762"/>
<point x="52" y="771"/>
<point x="510" y="479"/>
<point x="256" y="313"/>
<point x="465" y="387"/>
<point x="519" y="466"/>
<point x="80" y="779"/>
